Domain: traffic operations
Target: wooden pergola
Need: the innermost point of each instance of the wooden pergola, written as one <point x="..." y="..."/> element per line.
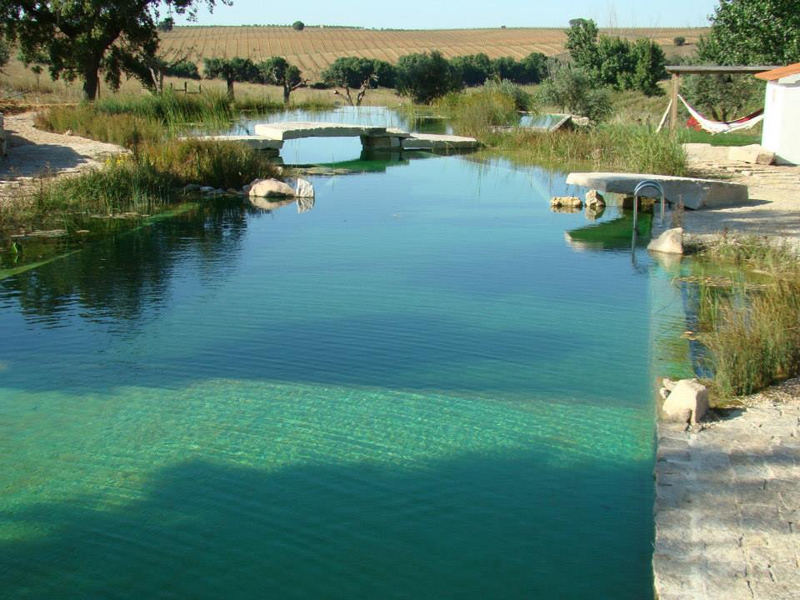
<point x="677" y="70"/>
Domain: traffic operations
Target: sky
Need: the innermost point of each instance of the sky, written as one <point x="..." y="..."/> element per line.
<point x="452" y="14"/>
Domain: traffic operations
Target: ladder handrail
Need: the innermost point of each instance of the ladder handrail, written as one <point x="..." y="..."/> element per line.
<point x="647" y="183"/>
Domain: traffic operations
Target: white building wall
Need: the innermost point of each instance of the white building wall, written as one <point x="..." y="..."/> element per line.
<point x="782" y="120"/>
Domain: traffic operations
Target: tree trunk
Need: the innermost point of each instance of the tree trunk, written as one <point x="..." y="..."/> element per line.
<point x="91" y="82"/>
<point x="230" y="90"/>
<point x="286" y="93"/>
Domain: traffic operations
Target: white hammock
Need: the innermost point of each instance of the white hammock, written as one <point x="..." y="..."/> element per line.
<point x="722" y="126"/>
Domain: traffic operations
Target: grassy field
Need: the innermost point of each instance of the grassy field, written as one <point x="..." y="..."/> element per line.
<point x="315" y="48"/>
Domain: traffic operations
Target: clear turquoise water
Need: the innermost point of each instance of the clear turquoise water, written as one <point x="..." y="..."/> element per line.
<point x="417" y="389"/>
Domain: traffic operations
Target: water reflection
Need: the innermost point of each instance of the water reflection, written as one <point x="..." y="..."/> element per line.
<point x="613" y="234"/>
<point x="123" y="275"/>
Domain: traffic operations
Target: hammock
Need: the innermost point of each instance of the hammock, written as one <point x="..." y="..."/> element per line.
<point x="724" y="126"/>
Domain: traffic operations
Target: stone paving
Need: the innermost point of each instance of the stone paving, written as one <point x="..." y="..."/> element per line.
<point x="728" y="503"/>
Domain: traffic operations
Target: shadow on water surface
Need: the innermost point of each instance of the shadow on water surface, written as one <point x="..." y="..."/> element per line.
<point x="475" y="526"/>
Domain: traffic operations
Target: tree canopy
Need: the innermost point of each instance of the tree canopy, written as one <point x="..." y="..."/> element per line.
<point x="426" y="76"/>
<point x="616" y="62"/>
<point x="750" y="32"/>
<point x="77" y="39"/>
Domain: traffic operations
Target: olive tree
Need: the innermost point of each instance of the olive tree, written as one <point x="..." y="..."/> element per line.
<point x="79" y="39"/>
<point x="231" y="70"/>
<point x="352" y="73"/>
<point x="278" y="71"/>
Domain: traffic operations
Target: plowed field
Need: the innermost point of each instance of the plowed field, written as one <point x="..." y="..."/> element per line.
<point x="314" y="48"/>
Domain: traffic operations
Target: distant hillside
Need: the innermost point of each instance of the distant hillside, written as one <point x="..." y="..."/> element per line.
<point x="315" y="48"/>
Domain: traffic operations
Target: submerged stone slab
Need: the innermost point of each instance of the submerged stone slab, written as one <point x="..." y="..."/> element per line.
<point x="430" y="141"/>
<point x="295" y="130"/>
<point x="693" y="193"/>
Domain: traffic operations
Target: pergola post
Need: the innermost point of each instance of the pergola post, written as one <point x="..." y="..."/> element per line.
<point x="673" y="117"/>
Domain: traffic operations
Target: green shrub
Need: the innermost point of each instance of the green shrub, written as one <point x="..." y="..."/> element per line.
<point x="521" y="98"/>
<point x="573" y="90"/>
<point x="679" y="40"/>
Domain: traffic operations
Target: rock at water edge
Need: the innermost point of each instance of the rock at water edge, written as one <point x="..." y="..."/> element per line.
<point x="566" y="202"/>
<point x="669" y="242"/>
<point x="270" y="188"/>
<point x="595" y="199"/>
<point x="687" y="402"/>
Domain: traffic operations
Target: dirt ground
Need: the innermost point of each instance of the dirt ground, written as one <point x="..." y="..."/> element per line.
<point x="33" y="152"/>
<point x="774" y="205"/>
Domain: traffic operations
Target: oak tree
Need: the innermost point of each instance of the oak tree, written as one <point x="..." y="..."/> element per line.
<point x="79" y="39"/>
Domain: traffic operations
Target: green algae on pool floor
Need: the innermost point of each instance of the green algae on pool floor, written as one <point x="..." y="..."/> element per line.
<point x="415" y="390"/>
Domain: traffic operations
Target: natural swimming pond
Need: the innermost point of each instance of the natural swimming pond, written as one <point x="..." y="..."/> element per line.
<point x="418" y="388"/>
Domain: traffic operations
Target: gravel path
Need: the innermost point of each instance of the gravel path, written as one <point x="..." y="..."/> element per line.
<point x="774" y="207"/>
<point x="33" y="152"/>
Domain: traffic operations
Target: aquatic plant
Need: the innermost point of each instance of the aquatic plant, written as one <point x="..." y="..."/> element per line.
<point x="749" y="321"/>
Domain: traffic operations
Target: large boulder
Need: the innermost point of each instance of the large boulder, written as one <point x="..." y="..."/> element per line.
<point x="669" y="242"/>
<point x="753" y="154"/>
<point x="687" y="402"/>
<point x="270" y="188"/>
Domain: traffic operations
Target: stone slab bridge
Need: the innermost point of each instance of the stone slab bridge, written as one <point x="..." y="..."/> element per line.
<point x="271" y="137"/>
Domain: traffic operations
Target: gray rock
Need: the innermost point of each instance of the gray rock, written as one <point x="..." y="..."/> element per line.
<point x="753" y="154"/>
<point x="270" y="188"/>
<point x="207" y="189"/>
<point x="565" y="202"/>
<point x="687" y="402"/>
<point x="669" y="242"/>
<point x="595" y="199"/>
<point x="192" y="187"/>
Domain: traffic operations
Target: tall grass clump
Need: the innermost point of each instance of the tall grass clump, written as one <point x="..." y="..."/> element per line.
<point x="123" y="185"/>
<point x="477" y="112"/>
<point x="170" y="108"/>
<point x="627" y="148"/>
<point x="122" y="129"/>
<point x="218" y="164"/>
<point x="143" y="182"/>
<point x="751" y="328"/>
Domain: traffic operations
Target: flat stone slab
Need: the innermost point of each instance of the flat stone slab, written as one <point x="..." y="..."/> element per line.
<point x="694" y="193"/>
<point x="256" y="142"/>
<point x="430" y="141"/>
<point x="295" y="130"/>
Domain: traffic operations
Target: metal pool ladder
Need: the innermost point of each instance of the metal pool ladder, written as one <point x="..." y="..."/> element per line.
<point x="643" y="185"/>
